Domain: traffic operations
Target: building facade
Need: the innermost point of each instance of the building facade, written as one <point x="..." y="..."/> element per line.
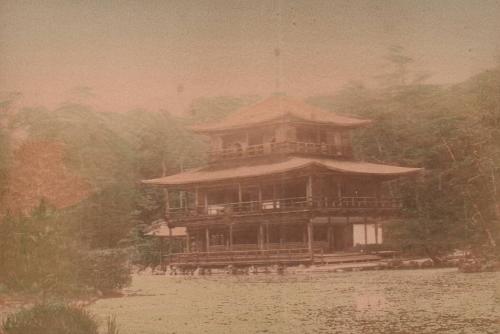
<point x="281" y="182"/>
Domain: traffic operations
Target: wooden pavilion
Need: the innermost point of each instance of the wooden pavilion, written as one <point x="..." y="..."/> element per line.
<point x="281" y="184"/>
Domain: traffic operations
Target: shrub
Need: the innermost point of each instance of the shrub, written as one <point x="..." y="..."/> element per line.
<point x="106" y="270"/>
<point x="51" y="319"/>
<point x="38" y="254"/>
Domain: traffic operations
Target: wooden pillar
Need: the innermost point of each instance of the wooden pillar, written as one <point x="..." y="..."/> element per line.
<point x="207" y="239"/>
<point x="329" y="233"/>
<point x="267" y="235"/>
<point x="304" y="234"/>
<point x="275" y="204"/>
<point x="188" y="242"/>
<point x="205" y="201"/>
<point x="167" y="202"/>
<point x="196" y="199"/>
<point x="376" y="233"/>
<point x="310" y="235"/>
<point x="170" y="244"/>
<point x="162" y="266"/>
<point x="281" y="235"/>
<point x="231" y="236"/>
<point x="339" y="188"/>
<point x="240" y="194"/>
<point x="381" y="236"/>
<point x="309" y="190"/>
<point x="366" y="232"/>
<point x="261" y="236"/>
<point x="333" y="239"/>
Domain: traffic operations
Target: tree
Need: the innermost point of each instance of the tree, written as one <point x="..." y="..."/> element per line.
<point x="453" y="132"/>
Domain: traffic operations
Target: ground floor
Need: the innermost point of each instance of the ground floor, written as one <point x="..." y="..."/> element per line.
<point x="313" y="234"/>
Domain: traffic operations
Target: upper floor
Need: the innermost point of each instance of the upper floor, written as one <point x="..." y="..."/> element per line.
<point x="282" y="138"/>
<point x="280" y="126"/>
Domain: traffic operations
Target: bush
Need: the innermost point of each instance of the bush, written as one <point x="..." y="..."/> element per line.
<point x="106" y="270"/>
<point x="38" y="254"/>
<point x="51" y="319"/>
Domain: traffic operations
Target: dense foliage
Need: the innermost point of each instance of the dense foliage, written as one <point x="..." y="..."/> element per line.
<point x="39" y="255"/>
<point x="454" y="133"/>
<point x="85" y="247"/>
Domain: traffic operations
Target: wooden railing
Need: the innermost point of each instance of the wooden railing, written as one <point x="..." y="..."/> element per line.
<point x="268" y="256"/>
<point x="280" y="147"/>
<point x="287" y="205"/>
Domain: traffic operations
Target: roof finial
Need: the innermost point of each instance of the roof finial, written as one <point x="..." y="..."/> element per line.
<point x="277" y="53"/>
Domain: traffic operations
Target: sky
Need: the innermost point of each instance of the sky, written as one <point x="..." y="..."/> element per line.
<point x="122" y="55"/>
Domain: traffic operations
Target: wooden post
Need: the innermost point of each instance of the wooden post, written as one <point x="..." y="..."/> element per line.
<point x="167" y="202"/>
<point x="196" y="199"/>
<point x="261" y="236"/>
<point x="230" y="236"/>
<point x="240" y="194"/>
<point x="304" y="234"/>
<point x="267" y="235"/>
<point x="205" y="201"/>
<point x="339" y="189"/>
<point x="366" y="232"/>
<point x="329" y="233"/>
<point x="260" y="196"/>
<point x="376" y="233"/>
<point x="274" y="196"/>
<point x="381" y="236"/>
<point x="188" y="242"/>
<point x="309" y="190"/>
<point x="207" y="239"/>
<point x="333" y="239"/>
<point x="162" y="266"/>
<point x="281" y="235"/>
<point x="169" y="244"/>
<point x="310" y="235"/>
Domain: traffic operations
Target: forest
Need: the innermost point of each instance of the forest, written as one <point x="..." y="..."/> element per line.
<point x="73" y="211"/>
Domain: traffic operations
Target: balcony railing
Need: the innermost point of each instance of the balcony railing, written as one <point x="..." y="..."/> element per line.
<point x="285" y="147"/>
<point x="286" y="205"/>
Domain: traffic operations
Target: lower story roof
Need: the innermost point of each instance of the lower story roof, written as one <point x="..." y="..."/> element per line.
<point x="162" y="230"/>
<point x="206" y="175"/>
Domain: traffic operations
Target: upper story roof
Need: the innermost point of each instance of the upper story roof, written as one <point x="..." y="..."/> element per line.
<point x="276" y="108"/>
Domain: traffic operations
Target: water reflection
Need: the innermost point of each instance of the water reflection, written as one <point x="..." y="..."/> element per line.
<point x="370" y="301"/>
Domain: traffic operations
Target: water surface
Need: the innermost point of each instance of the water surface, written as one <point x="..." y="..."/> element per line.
<point x="416" y="301"/>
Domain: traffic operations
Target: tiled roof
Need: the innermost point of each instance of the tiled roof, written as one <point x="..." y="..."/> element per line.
<point x="276" y="108"/>
<point x="204" y="175"/>
<point x="161" y="230"/>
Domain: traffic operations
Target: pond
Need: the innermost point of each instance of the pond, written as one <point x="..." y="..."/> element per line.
<point x="409" y="301"/>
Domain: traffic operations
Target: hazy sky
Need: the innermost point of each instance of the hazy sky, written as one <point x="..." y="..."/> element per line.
<point x="137" y="53"/>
